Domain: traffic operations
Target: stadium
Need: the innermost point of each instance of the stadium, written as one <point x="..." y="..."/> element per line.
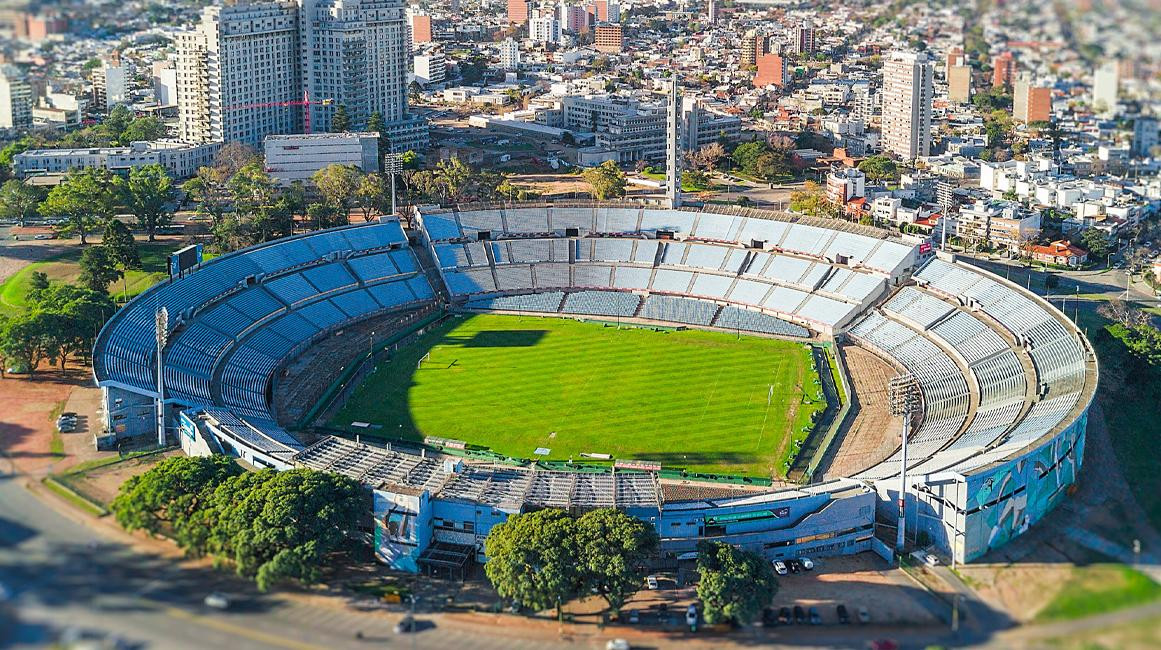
<point x="500" y="359"/>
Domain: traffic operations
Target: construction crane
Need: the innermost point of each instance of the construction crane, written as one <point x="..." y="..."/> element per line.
<point x="305" y="101"/>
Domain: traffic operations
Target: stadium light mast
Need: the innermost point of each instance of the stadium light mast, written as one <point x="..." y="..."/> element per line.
<point x="673" y="145"/>
<point x="903" y="393"/>
<point x="161" y="330"/>
<point x="393" y="165"/>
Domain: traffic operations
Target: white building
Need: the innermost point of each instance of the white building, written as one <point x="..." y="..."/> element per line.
<point x="845" y="184"/>
<point x="907" y="93"/>
<point x="292" y="158"/>
<point x="252" y="70"/>
<point x="238" y="73"/>
<point x="430" y="68"/>
<point x="1145" y="135"/>
<point x="165" y="83"/>
<point x="509" y="54"/>
<point x="544" y="29"/>
<point x="180" y="160"/>
<point x="111" y="84"/>
<point x="15" y="99"/>
<point x="1105" y="84"/>
<point x="1001" y="224"/>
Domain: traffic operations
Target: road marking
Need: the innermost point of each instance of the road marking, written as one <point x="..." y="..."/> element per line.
<point x="245" y="632"/>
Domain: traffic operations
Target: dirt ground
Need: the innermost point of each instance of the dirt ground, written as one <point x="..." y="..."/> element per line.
<point x="872" y="434"/>
<point x="27" y="409"/>
<point x="17" y="254"/>
<point x="101" y="484"/>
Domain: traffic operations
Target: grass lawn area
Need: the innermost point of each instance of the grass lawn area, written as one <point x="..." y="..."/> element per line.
<point x="65" y="268"/>
<point x="1099" y="588"/>
<point x="1130" y="396"/>
<point x="689" y="399"/>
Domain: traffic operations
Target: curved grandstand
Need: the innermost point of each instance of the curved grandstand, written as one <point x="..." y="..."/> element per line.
<point x="1005" y="379"/>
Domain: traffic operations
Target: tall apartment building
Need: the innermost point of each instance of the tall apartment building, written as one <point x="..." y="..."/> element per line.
<point x="959" y="83"/>
<point x="237" y="72"/>
<point x="572" y="18"/>
<point x="15" y="99"/>
<point x="1029" y="102"/>
<point x="1105" y="84"/>
<point x="509" y="54"/>
<point x="605" y="11"/>
<point x="753" y="46"/>
<point x="955" y="56"/>
<point x="712" y="10"/>
<point x="252" y="70"/>
<point x="772" y="70"/>
<point x="110" y="83"/>
<point x="608" y="38"/>
<point x="1145" y="135"/>
<point x="907" y="91"/>
<point x="518" y="11"/>
<point x="804" y="38"/>
<point x="430" y="68"/>
<point x="420" y="29"/>
<point x="544" y="29"/>
<point x="1003" y="70"/>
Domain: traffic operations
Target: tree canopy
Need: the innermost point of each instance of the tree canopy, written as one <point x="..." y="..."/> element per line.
<point x="613" y="549"/>
<point x="607" y="180"/>
<point x="147" y="191"/>
<point x="734" y="585"/>
<point x="533" y="559"/>
<point x="98" y="269"/>
<point x="84" y="198"/>
<point x="880" y="168"/>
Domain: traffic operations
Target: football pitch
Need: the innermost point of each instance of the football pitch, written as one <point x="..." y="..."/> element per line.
<point x="702" y="401"/>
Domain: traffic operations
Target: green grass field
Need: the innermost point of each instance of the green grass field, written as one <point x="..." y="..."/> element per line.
<point x="1099" y="588"/>
<point x="690" y="399"/>
<point x="65" y="268"/>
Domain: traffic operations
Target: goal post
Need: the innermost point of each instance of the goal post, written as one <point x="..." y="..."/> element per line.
<point x="425" y="357"/>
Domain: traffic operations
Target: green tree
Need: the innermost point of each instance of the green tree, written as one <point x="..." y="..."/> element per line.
<point x="340" y="121"/>
<point x="376" y="124"/>
<point x="145" y="129"/>
<point x="275" y="526"/>
<point x="325" y="215"/>
<point x="98" y="269"/>
<point x="533" y="559"/>
<point x="147" y="192"/>
<point x="373" y="195"/>
<point x="614" y="549"/>
<point x="452" y="176"/>
<point x="118" y="242"/>
<point x="734" y="585"/>
<point x="880" y="168"/>
<point x="1096" y="242"/>
<point x="209" y="188"/>
<point x="607" y="180"/>
<point x="18" y="200"/>
<point x="172" y="496"/>
<point x="338" y="184"/>
<point x="85" y="198"/>
<point x="23" y="341"/>
<point x="811" y="200"/>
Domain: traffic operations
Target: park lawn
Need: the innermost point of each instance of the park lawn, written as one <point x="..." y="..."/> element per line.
<point x="1097" y="589"/>
<point x="65" y="268"/>
<point x="690" y="399"/>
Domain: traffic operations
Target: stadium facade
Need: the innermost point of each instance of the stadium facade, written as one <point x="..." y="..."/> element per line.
<point x="1005" y="380"/>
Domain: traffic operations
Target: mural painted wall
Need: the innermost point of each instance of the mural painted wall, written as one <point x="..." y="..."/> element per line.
<point x="402" y="528"/>
<point x="1002" y="502"/>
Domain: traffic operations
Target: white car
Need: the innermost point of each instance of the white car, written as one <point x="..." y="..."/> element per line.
<point x="780" y="567"/>
<point x="217" y="600"/>
<point x="617" y="644"/>
<point x="651" y="582"/>
<point x="691" y="616"/>
<point x="931" y="560"/>
<point x="807" y="563"/>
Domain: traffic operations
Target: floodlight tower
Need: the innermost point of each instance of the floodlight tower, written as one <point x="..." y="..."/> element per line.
<point x="161" y="331"/>
<point x="673" y="146"/>
<point x="903" y="393"/>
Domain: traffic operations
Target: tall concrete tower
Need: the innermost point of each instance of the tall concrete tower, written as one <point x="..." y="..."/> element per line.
<point x="673" y="146"/>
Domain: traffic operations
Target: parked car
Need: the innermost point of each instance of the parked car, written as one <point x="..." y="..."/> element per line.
<point x="634" y="617"/>
<point x="794" y="566"/>
<point x="807" y="563"/>
<point x="691" y="616"/>
<point x="799" y="614"/>
<point x="815" y="617"/>
<point x="864" y="615"/>
<point x="784" y="616"/>
<point x="843" y="616"/>
<point x="931" y="560"/>
<point x="780" y="567"/>
<point x="217" y="600"/>
<point x="651" y="582"/>
<point x="617" y="644"/>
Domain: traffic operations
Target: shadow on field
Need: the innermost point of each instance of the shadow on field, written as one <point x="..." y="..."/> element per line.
<point x="498" y="339"/>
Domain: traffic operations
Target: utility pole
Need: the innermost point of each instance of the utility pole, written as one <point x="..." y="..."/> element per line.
<point x="903" y="393"/>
